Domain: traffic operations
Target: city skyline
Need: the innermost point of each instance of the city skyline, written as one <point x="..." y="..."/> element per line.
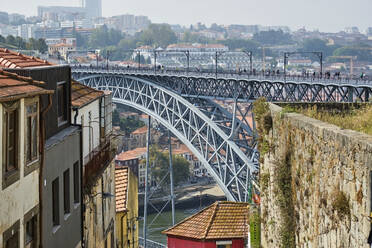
<point x="332" y="16"/>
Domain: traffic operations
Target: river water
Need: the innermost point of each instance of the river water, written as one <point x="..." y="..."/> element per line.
<point x="163" y="222"/>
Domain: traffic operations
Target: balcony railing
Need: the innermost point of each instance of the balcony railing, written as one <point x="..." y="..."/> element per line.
<point x="99" y="160"/>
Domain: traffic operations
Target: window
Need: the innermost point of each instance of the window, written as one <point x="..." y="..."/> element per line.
<point x="66" y="191"/>
<point x="55" y="198"/>
<point x="32" y="127"/>
<point x="30" y="232"/>
<point x="76" y="183"/>
<point x="11" y="140"/>
<point x="11" y="236"/>
<point x="62" y="102"/>
<point x="224" y="244"/>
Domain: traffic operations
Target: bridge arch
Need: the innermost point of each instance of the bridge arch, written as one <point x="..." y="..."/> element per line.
<point x="231" y="168"/>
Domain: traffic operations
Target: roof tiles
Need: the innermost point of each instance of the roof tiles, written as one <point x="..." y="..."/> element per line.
<point x="121" y="188"/>
<point x="221" y="220"/>
<point x="140" y="130"/>
<point x="131" y="154"/>
<point x="82" y="95"/>
<point x="13" y="87"/>
<point x="11" y="59"/>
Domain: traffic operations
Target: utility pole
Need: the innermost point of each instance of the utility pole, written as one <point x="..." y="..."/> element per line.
<point x="146" y="182"/>
<point x="188" y="63"/>
<point x="107" y="59"/>
<point x="171" y="177"/>
<point x="155" y="62"/>
<point x="216" y="63"/>
<point x="139" y="59"/>
<point x="263" y="59"/>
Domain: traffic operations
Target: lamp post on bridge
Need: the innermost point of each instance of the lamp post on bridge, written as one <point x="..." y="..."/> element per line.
<point x="250" y="55"/>
<point x="155" y="54"/>
<point x="216" y="60"/>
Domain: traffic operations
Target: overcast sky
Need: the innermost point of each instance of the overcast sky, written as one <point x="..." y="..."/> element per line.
<point x="325" y="15"/>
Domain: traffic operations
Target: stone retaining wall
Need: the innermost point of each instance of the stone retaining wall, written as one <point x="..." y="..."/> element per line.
<point x="315" y="183"/>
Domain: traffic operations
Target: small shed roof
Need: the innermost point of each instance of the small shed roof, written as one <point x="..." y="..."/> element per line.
<point x="82" y="95"/>
<point x="221" y="220"/>
<point x="14" y="87"/>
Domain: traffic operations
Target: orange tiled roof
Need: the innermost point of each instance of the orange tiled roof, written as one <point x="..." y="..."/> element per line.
<point x="82" y="95"/>
<point x="131" y="154"/>
<point x="182" y="150"/>
<point x="121" y="188"/>
<point x="140" y="130"/>
<point x="221" y="220"/>
<point x="11" y="59"/>
<point x="13" y="87"/>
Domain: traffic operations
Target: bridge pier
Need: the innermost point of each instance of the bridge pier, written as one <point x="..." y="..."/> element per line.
<point x="350" y="94"/>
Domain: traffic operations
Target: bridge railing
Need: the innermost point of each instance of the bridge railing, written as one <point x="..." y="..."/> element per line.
<point x="272" y="76"/>
<point x="150" y="243"/>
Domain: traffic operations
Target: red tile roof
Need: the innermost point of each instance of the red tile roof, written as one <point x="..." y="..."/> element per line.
<point x="181" y="150"/>
<point x="13" y="87"/>
<point x="11" y="59"/>
<point x="82" y="95"/>
<point x="121" y="188"/>
<point x="140" y="130"/>
<point x="221" y="220"/>
<point x="131" y="154"/>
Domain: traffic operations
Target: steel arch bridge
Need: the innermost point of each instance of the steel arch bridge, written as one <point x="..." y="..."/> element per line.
<point x="209" y="132"/>
<point x="224" y="143"/>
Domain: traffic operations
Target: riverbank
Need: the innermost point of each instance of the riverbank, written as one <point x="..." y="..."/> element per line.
<point x="188" y="197"/>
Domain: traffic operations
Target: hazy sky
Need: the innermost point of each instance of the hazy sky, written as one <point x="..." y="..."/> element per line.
<point x="325" y="15"/>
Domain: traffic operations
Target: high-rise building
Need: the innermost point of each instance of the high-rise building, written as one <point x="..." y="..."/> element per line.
<point x="93" y="8"/>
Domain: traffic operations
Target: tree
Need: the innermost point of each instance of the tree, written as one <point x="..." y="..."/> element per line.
<point x="2" y="39"/>
<point x="10" y="40"/>
<point x="142" y="59"/>
<point x="41" y="46"/>
<point x="317" y="45"/>
<point x="361" y="51"/>
<point x="235" y="44"/>
<point x="129" y="124"/>
<point x="273" y="37"/>
<point x="102" y="37"/>
<point x="159" y="35"/>
<point x="189" y="37"/>
<point x="20" y="43"/>
<point x="115" y="118"/>
<point x="159" y="161"/>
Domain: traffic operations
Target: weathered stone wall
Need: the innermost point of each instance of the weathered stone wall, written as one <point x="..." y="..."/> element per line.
<point x="315" y="182"/>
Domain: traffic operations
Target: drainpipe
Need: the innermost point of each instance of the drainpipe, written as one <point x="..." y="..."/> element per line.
<point x="76" y="115"/>
<point x="82" y="206"/>
<point x="42" y="161"/>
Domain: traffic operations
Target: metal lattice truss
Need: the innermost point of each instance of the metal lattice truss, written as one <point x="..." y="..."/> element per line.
<point x="251" y="89"/>
<point x="273" y="91"/>
<point x="210" y="137"/>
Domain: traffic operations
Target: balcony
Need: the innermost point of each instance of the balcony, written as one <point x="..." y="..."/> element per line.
<point x="100" y="158"/>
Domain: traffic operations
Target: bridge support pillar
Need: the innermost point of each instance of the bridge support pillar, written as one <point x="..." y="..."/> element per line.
<point x="350" y="93"/>
<point x="146" y="181"/>
<point x="171" y="178"/>
<point x="367" y="95"/>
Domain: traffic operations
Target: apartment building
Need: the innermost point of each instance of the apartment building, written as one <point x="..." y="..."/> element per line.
<point x="92" y="111"/>
<point x="21" y="127"/>
<point x="60" y="179"/>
